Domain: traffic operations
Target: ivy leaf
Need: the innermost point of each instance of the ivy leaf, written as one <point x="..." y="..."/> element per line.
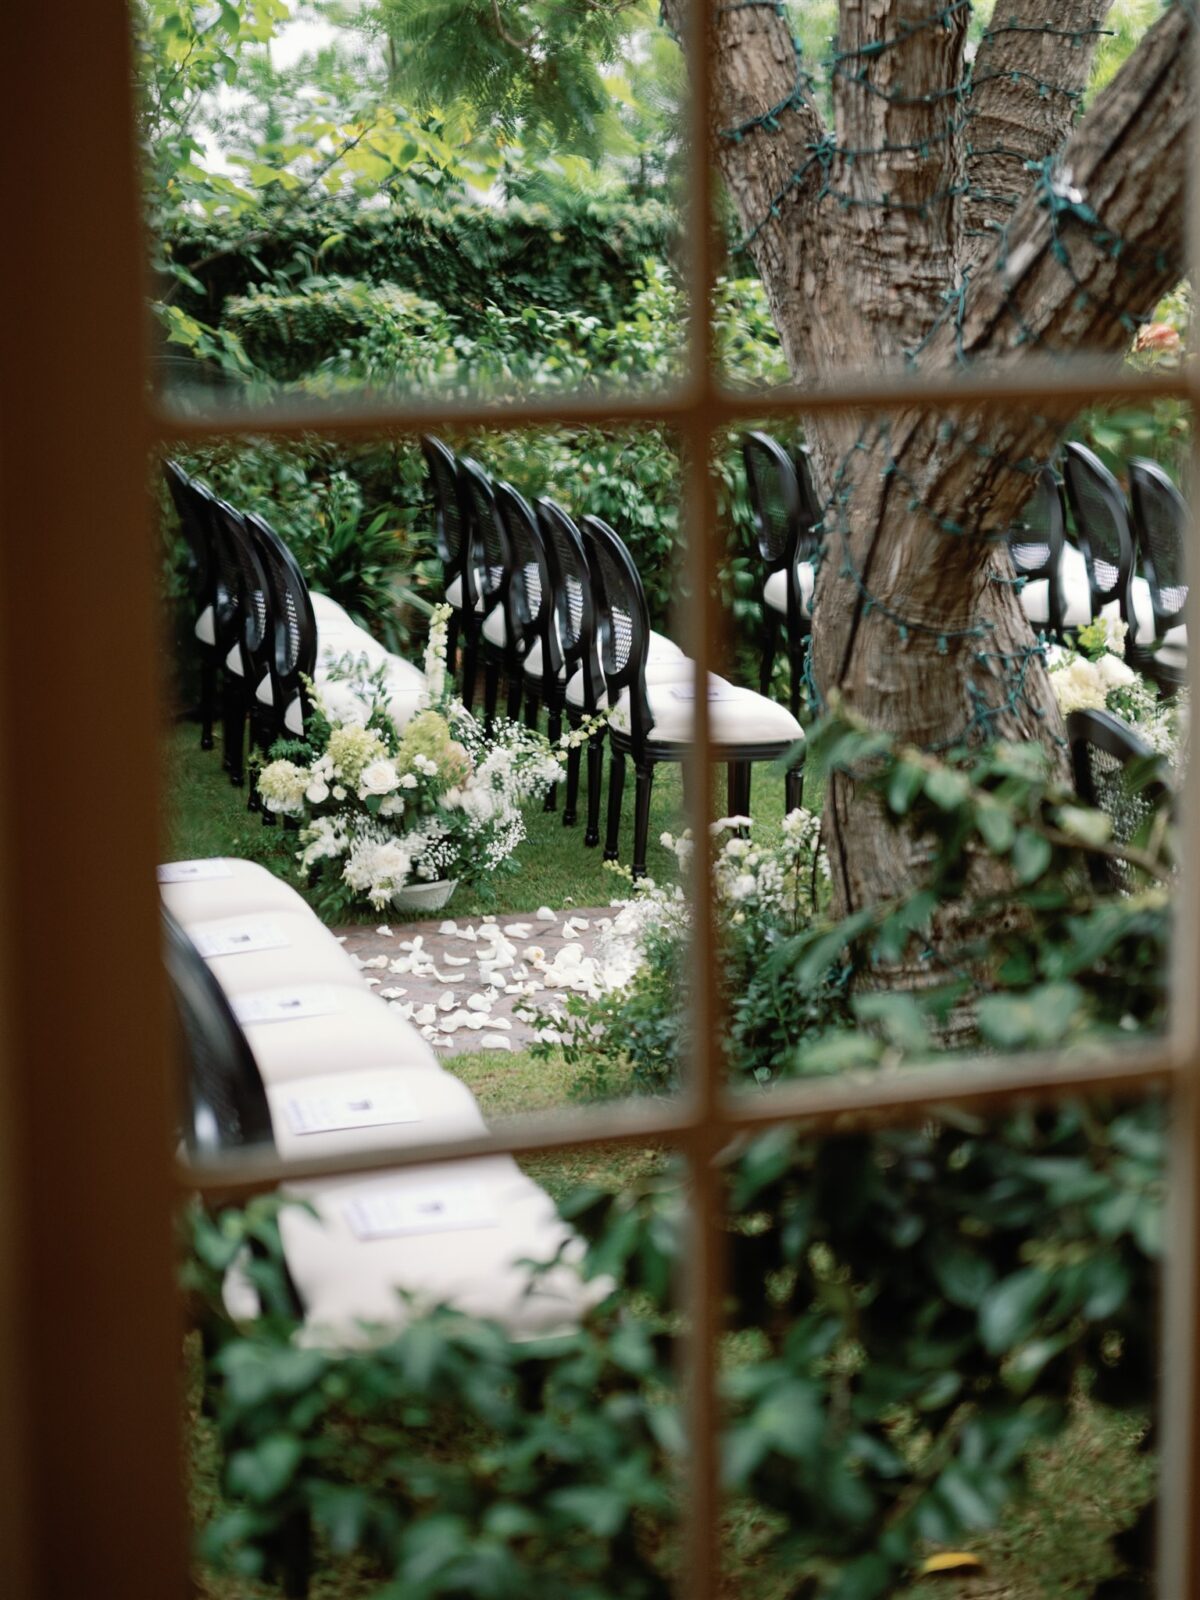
<point x="1008" y="1310"/>
<point x="265" y="1471"/>
<point x="1031" y="855"/>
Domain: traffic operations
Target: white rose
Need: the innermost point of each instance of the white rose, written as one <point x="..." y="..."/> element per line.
<point x="379" y="777"/>
<point x="392" y="806"/>
<point x="339" y="792"/>
<point x="1115" y="673"/>
<point x="408" y="781"/>
<point x="317" y="791"/>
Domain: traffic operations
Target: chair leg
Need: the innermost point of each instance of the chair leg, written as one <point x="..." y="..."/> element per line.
<point x="452" y="632"/>
<point x="554" y="727"/>
<point x="574" y="762"/>
<point x="595" y="771"/>
<point x="513" y="708"/>
<point x="208" y="697"/>
<point x="470" y="652"/>
<point x="616" y="791"/>
<point x="770" y="644"/>
<point x="793" y="787"/>
<point x="491" y="693"/>
<point x="296" y="1556"/>
<point x="235" y="734"/>
<point x="744" y="788"/>
<point x="532" y="710"/>
<point x="641" y="824"/>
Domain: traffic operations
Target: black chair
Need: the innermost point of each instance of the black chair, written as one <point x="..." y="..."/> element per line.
<point x="786" y="522"/>
<point x="279" y="703"/>
<point x="492" y="568"/>
<point x="1036" y="544"/>
<point x="450" y="535"/>
<point x="1102" y="529"/>
<point x="623" y="632"/>
<point x="531" y="607"/>
<point x="1161" y="520"/>
<point x="193" y="505"/>
<point x="223" y="1099"/>
<point x="1119" y="774"/>
<point x="573" y="625"/>
<point x="242" y="643"/>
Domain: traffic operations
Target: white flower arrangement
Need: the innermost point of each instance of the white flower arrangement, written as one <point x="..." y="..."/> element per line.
<point x="1094" y="676"/>
<point x="382" y="807"/>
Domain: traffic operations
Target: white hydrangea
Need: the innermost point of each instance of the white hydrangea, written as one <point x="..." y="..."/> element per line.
<point x="1079" y="686"/>
<point x="282" y="785"/>
<point x="1115" y="673"/>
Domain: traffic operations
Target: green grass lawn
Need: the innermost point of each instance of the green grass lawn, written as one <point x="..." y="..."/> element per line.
<point x="206" y="816"/>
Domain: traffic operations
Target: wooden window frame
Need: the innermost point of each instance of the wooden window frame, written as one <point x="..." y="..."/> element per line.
<point x="90" y="1447"/>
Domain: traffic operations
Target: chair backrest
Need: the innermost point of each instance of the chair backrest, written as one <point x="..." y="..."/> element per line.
<point x="290" y="647"/>
<point x="493" y="560"/>
<point x="243" y="578"/>
<point x="775" y="499"/>
<point x="447" y="512"/>
<point x="1118" y="773"/>
<point x="571" y="586"/>
<point x="1101" y="526"/>
<point x="622" y="621"/>
<point x="1035" y="542"/>
<point x="1161" y="520"/>
<point x="194" y="525"/>
<point x="223" y="1095"/>
<point x="812" y="514"/>
<point x="531" y="590"/>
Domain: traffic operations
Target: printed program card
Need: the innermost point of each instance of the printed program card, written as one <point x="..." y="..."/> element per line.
<point x="427" y="1208"/>
<point x="238" y="940"/>
<point x="328" y="1113"/>
<point x="194" y="871"/>
<point x="285" y="1005"/>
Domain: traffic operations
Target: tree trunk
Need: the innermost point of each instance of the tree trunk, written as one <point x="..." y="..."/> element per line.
<point x="951" y="216"/>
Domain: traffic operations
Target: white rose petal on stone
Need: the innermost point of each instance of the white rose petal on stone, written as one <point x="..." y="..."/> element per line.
<point x="544" y="914"/>
<point x="495" y="1041"/>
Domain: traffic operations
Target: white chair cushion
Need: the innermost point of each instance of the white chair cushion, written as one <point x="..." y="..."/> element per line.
<point x="205" y="629"/>
<point x="245" y="889"/>
<point x="233" y="661"/>
<point x="419" y="1107"/>
<point x="309" y="953"/>
<point x="775" y="588"/>
<point x="328" y="610"/>
<point x="361" y="1034"/>
<point x="493" y="1217"/>
<point x="454" y="593"/>
<point x="736" y="716"/>
<point x="669" y="670"/>
<point x="495" y="628"/>
<point x="1074" y="587"/>
<point x="1172" y="655"/>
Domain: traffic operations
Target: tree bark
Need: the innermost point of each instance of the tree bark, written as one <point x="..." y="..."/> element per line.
<point x="954" y="221"/>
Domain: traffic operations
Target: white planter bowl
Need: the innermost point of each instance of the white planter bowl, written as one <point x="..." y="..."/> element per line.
<point x="424" y="896"/>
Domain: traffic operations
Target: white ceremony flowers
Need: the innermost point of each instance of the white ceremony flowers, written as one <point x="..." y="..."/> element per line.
<point x="385" y="808"/>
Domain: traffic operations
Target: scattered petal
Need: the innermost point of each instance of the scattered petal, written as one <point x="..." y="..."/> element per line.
<point x="495" y="1041"/>
<point x="458" y="961"/>
<point x="445" y="1002"/>
<point x="385" y="933"/>
<point x="478" y="1002"/>
<point x="391" y="994"/>
<point x="450" y="929"/>
<point x="377" y="962"/>
<point x="426" y="1014"/>
<point x="518" y="930"/>
<point x="544" y="914"/>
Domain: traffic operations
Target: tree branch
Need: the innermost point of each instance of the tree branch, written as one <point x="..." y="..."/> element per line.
<point x="897" y="75"/>
<point x="1025" y="86"/>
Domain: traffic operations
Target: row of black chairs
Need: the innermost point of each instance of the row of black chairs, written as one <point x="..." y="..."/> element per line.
<point x="1068" y="585"/>
<point x="559" y="611"/>
<point x="255" y="631"/>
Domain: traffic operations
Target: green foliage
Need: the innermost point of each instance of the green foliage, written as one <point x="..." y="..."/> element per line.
<point x="909" y="1313"/>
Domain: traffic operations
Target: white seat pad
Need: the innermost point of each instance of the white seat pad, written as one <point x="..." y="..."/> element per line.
<point x="205" y="629"/>
<point x="1073" y="586"/>
<point x="504" y="1218"/>
<point x="426" y="1106"/>
<point x="326" y="609"/>
<point x="1172" y="655"/>
<point x="454" y="593"/>
<point x="495" y="628"/>
<point x="362" y="1034"/>
<point x="310" y="954"/>
<point x="247" y="889"/>
<point x="775" y="588"/>
<point x="736" y="716"/>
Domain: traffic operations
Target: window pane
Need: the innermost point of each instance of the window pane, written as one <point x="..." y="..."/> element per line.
<point x="992" y="680"/>
<point x="417" y="201"/>
<point x="943" y="1355"/>
<point x="939" y="191"/>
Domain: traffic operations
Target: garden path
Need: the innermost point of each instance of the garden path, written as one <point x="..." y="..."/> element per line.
<point x="462" y="980"/>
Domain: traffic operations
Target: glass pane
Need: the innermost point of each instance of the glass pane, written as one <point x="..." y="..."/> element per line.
<point x="412" y="200"/>
<point x="524" y="1437"/>
<point x="942" y="1365"/>
<point x="928" y="191"/>
<point x="979" y="621"/>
